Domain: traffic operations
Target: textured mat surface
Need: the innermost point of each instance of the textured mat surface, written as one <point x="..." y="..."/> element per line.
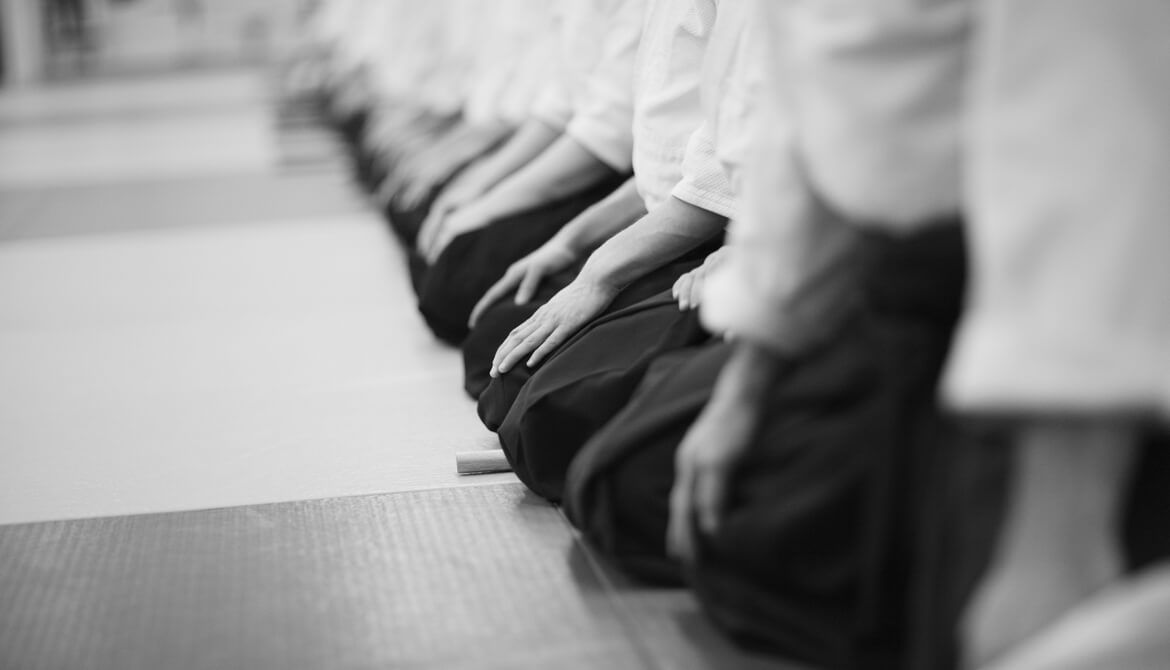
<point x="673" y="630"/>
<point x="470" y="577"/>
<point x="185" y="325"/>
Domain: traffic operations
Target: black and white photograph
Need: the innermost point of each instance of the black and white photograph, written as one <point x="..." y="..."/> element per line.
<point x="585" y="334"/>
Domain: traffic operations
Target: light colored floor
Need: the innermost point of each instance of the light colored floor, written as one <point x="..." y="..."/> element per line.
<point x="183" y="326"/>
<point x="86" y="101"/>
<point x="193" y="316"/>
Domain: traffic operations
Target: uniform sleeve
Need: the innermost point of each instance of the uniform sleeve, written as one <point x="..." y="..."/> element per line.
<point x="1069" y="308"/>
<point x="534" y="29"/>
<point x="603" y="121"/>
<point x="878" y="93"/>
<point x="790" y="268"/>
<point x="859" y="124"/>
<point x="704" y="183"/>
<point x="333" y="20"/>
<point x="554" y="104"/>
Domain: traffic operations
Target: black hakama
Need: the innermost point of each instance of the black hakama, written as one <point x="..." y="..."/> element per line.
<point x="582" y="385"/>
<point x="494" y="325"/>
<point x="811" y="557"/>
<point x="480" y="345"/>
<point x="474" y="261"/>
<point x="618" y="486"/>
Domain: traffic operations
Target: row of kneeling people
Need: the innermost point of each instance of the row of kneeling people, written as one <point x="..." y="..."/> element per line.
<point x="852" y="315"/>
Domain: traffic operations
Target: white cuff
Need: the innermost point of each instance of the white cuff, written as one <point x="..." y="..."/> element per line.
<point x="613" y="145"/>
<point x="1005" y="363"/>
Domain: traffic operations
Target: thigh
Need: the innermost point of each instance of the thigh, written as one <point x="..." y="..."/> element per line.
<point x="472" y="262"/>
<point x="585" y="383"/>
<point x="618" y="487"/>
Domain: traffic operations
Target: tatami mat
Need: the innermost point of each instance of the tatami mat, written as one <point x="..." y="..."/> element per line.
<point x="134" y="97"/>
<point x="207" y="365"/>
<point x="62" y="211"/>
<point x="459" y="578"/>
<point x="125" y="148"/>
<point x="673" y="630"/>
<point x="223" y="365"/>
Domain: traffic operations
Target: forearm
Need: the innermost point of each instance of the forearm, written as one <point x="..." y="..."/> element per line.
<point x="444" y="159"/>
<point x="614" y="213"/>
<point x="525" y="145"/>
<point x="746" y="377"/>
<point x="1059" y="542"/>
<point x="1070" y="482"/>
<point x="564" y="168"/>
<point x="472" y="140"/>
<point x="394" y="122"/>
<point x="654" y="240"/>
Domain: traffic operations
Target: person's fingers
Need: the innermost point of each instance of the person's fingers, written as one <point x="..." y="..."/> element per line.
<point x="387" y="189"/>
<point x="443" y="202"/>
<point x="510" y="342"/>
<point x="418" y="192"/>
<point x="430" y="228"/>
<point x="679" y="542"/>
<point x="710" y="487"/>
<point x="432" y="251"/>
<point x="494" y="294"/>
<point x="684" y="291"/>
<point x="406" y="195"/>
<point x="456" y="198"/>
<point x="439" y="244"/>
<point x="432" y="220"/>
<point x="529" y="284"/>
<point x="696" y="291"/>
<point x="526" y="346"/>
<point x="425" y="239"/>
<point x="503" y="349"/>
<point x="555" y="339"/>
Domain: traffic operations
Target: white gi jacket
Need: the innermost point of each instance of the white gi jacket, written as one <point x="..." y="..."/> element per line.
<point x="668" y="109"/>
<point x="1045" y="121"/>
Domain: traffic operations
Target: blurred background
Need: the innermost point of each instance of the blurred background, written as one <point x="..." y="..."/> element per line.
<point x="52" y="40"/>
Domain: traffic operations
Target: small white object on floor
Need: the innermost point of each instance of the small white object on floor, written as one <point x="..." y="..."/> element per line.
<point x="481" y="461"/>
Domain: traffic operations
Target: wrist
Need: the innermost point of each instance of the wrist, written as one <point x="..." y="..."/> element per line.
<point x="564" y="245"/>
<point x="748" y="374"/>
<point x="1068" y="489"/>
<point x="595" y="272"/>
<point x="469" y="185"/>
<point x="489" y="205"/>
<point x="568" y="243"/>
